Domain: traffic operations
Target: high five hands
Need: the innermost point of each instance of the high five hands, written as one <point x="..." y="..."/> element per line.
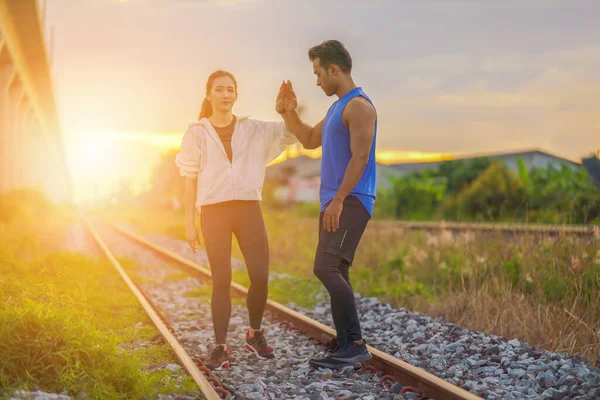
<point x="286" y="98"/>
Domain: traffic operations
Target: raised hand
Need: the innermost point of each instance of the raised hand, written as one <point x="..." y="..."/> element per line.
<point x="290" y="100"/>
<point x="286" y="98"/>
<point x="279" y="102"/>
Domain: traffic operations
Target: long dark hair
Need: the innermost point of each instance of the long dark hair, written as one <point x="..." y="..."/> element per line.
<point x="206" y="109"/>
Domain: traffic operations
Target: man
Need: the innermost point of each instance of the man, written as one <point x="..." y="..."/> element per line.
<point x="347" y="194"/>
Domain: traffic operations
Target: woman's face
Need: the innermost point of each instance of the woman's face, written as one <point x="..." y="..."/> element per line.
<point x="223" y="94"/>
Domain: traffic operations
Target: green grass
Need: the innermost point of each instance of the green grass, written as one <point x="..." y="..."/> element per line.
<point x="299" y="290"/>
<point x="203" y="292"/>
<point x="177" y="276"/>
<point x="298" y="287"/>
<point x="302" y="291"/>
<point x="67" y="321"/>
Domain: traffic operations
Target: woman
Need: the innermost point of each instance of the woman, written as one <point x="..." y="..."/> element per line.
<point x="223" y="159"/>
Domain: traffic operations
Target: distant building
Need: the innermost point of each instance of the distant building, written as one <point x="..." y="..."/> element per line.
<point x="592" y="164"/>
<point x="531" y="158"/>
<point x="299" y="177"/>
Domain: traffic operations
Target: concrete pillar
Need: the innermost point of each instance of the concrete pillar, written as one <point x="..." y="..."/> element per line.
<point x="24" y="142"/>
<point x="37" y="147"/>
<point x="6" y="77"/>
<point x="31" y="152"/>
<point x="49" y="167"/>
<point x="16" y="92"/>
<point x="64" y="175"/>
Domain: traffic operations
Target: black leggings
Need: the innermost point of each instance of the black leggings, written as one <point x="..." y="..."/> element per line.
<point x="244" y="219"/>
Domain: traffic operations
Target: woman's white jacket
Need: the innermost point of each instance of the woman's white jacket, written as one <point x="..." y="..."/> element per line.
<point x="254" y="144"/>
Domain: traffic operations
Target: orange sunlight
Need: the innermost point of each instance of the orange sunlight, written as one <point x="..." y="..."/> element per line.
<point x="389" y="156"/>
<point x="384" y="156"/>
<point x="103" y="163"/>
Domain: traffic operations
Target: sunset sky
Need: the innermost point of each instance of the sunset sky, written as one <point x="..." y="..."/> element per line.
<point x="447" y="76"/>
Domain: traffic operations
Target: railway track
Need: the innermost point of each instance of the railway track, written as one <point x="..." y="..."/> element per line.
<point x="386" y="370"/>
<point x="585" y="231"/>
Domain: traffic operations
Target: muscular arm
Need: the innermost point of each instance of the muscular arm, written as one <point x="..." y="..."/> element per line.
<point x="309" y="136"/>
<point x="360" y="118"/>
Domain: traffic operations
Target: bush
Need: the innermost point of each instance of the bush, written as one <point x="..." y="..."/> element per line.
<point x="418" y="198"/>
<point x="496" y="194"/>
<point x="461" y="173"/>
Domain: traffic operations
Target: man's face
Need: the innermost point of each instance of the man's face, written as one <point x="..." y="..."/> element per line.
<point x="324" y="79"/>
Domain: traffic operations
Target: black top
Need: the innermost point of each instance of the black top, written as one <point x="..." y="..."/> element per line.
<point x="225" y="134"/>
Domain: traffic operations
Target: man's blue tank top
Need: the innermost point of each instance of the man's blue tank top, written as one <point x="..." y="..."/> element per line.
<point x="336" y="156"/>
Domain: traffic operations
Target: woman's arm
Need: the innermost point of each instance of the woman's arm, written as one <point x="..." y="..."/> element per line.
<point x="188" y="161"/>
<point x="279" y="138"/>
<point x="189" y="203"/>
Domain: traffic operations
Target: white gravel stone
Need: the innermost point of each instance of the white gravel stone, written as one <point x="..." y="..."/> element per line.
<point x="490" y="366"/>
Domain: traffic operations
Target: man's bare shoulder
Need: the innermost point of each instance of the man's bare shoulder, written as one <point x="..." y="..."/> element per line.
<point x="359" y="108"/>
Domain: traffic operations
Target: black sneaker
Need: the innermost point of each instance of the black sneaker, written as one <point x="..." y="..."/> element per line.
<point x="353" y="352"/>
<point x="336" y="344"/>
<point x="329" y="362"/>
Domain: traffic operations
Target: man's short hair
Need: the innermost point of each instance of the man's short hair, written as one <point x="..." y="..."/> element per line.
<point x="331" y="52"/>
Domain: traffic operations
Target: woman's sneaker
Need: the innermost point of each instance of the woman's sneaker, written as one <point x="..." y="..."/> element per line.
<point x="218" y="358"/>
<point x="258" y="345"/>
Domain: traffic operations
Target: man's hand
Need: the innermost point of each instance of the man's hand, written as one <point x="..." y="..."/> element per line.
<point x="191" y="236"/>
<point x="286" y="98"/>
<point x="331" y="217"/>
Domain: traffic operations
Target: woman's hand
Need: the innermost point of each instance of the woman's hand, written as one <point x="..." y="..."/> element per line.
<point x="191" y="235"/>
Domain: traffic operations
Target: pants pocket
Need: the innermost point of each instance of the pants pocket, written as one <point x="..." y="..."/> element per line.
<point x="336" y="243"/>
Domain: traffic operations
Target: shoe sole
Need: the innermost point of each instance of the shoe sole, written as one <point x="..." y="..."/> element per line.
<point x="224" y="364"/>
<point x="355" y="365"/>
<point x="253" y="350"/>
<point x="361" y="357"/>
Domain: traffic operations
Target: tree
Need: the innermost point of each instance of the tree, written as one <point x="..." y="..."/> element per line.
<point x="496" y="193"/>
<point x="418" y="197"/>
<point x="570" y="194"/>
<point x="166" y="182"/>
<point x="460" y="173"/>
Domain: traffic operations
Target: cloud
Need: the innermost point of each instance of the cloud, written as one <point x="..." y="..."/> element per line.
<point x="446" y="75"/>
<point x="555" y="111"/>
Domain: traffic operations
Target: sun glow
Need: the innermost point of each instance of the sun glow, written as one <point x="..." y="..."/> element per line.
<point x="383" y="156"/>
<point x="391" y="156"/>
<point x="102" y="162"/>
